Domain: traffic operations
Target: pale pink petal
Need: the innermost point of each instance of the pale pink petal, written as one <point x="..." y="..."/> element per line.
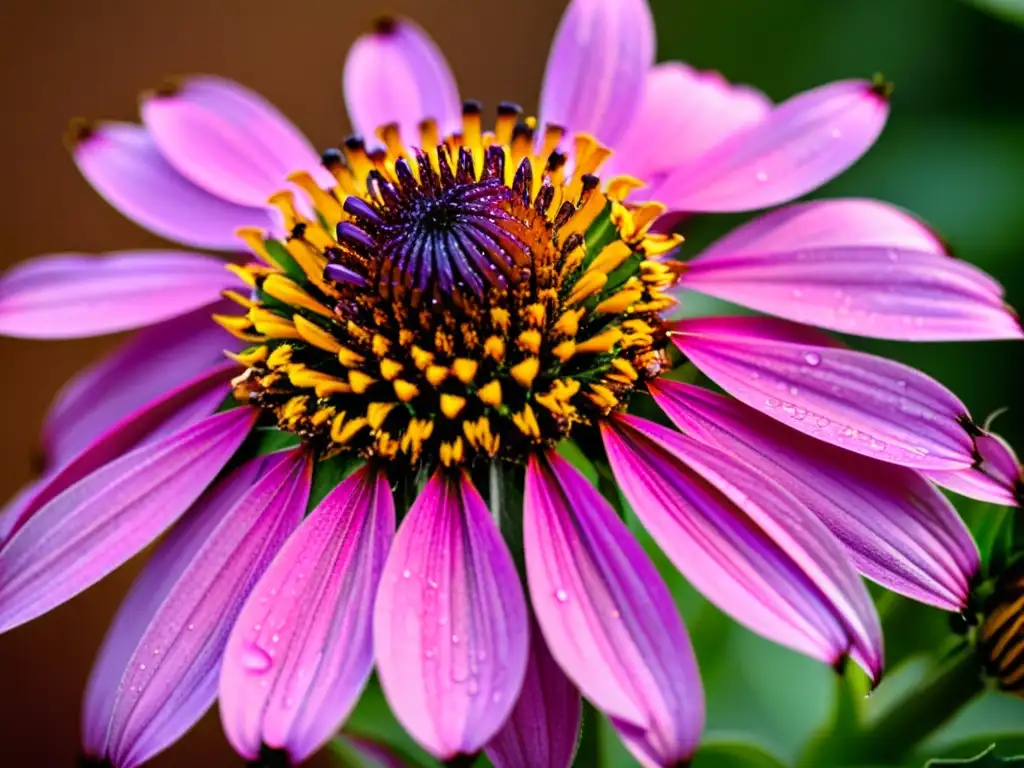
<point x="103" y="520"/>
<point x="996" y="477"/>
<point x="123" y="164"/>
<point x="606" y="615"/>
<point x="228" y="140"/>
<point x="450" y="626"/>
<point x="683" y="114"/>
<point x="69" y="296"/>
<point x="544" y="727"/>
<point x="594" y="80"/>
<point x="752" y="548"/>
<point x="162" y="694"/>
<point x="396" y="74"/>
<point x="896" y="528"/>
<point x="141" y="369"/>
<point x="860" y="402"/>
<point x="828" y="224"/>
<point x="160" y="574"/>
<point x="804" y="142"/>
<point x="793" y="265"/>
<point x="168" y="414"/>
<point x="302" y="648"/>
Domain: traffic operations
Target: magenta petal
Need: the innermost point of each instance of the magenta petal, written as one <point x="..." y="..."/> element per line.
<point x="69" y="296"/>
<point x="794" y="266"/>
<point x="168" y="414"/>
<point x="751" y="548"/>
<point x="896" y="528"/>
<point x="302" y="648"/>
<point x="804" y="142"/>
<point x="141" y="369"/>
<point x="594" y="80"/>
<point x="396" y="74"/>
<point x="860" y="402"/>
<point x="160" y="695"/>
<point x="12" y="512"/>
<point x="605" y="613"/>
<point x="544" y="726"/>
<point x="159" y="576"/>
<point x="996" y="477"/>
<point x="123" y="164"/>
<point x="103" y="520"/>
<point x="682" y="115"/>
<point x="450" y="626"/>
<point x="228" y="140"/>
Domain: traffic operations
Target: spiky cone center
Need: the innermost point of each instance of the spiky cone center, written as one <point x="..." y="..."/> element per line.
<point x="466" y="303"/>
<point x="1001" y="640"/>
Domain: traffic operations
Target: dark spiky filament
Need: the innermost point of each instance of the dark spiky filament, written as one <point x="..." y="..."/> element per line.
<point x="454" y="305"/>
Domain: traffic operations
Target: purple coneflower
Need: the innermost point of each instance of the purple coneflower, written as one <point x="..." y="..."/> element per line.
<point x="436" y="311"/>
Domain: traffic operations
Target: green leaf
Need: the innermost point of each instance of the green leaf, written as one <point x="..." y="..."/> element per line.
<point x="1008" y="10"/>
<point x="986" y="759"/>
<point x="1004" y="743"/>
<point x="727" y="754"/>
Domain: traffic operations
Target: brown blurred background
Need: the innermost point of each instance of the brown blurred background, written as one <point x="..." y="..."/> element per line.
<point x="62" y="58"/>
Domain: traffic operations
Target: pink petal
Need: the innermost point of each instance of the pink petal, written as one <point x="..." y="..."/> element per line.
<point x="795" y="267"/>
<point x="302" y="648"/>
<point x="996" y="477"/>
<point x="828" y="224"/>
<point x="682" y="115"/>
<point x="123" y="164"/>
<point x="544" y="726"/>
<point x="161" y="695"/>
<point x="161" y="573"/>
<point x="103" y="520"/>
<point x="896" y="528"/>
<point x="804" y="142"/>
<point x="70" y="296"/>
<point x="143" y="368"/>
<point x="228" y="140"/>
<point x="450" y="625"/>
<point x="607" y="616"/>
<point x="748" y="545"/>
<point x="12" y="512"/>
<point x="396" y="74"/>
<point x="594" y="80"/>
<point x="170" y="413"/>
<point x="857" y="401"/>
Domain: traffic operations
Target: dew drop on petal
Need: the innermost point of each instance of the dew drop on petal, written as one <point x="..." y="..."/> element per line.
<point x="255" y="660"/>
<point x="406" y="573"/>
<point x="761" y="176"/>
<point x="812" y="358"/>
<point x="561" y="596"/>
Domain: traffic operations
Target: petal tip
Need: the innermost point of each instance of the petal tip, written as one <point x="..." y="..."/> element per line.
<point x="882" y="87"/>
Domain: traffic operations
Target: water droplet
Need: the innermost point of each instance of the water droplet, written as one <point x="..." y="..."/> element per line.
<point x="432" y="584"/>
<point x="561" y="596"/>
<point x="473" y="687"/>
<point x="771" y="402"/>
<point x="823" y="422"/>
<point x="430" y="653"/>
<point x="878" y="445"/>
<point x="836" y="133"/>
<point x="142" y="666"/>
<point x="615" y="614"/>
<point x="812" y="358"/>
<point x="191" y="627"/>
<point x="156" y="651"/>
<point x="406" y="574"/>
<point x="275" y="639"/>
<point x="901" y="384"/>
<point x="892" y="255"/>
<point x="794" y="391"/>
<point x="455" y="639"/>
<point x="761" y="176"/>
<point x="255" y="660"/>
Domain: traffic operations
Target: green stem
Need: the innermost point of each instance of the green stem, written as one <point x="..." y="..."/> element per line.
<point x="588" y="751"/>
<point x="922" y="710"/>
